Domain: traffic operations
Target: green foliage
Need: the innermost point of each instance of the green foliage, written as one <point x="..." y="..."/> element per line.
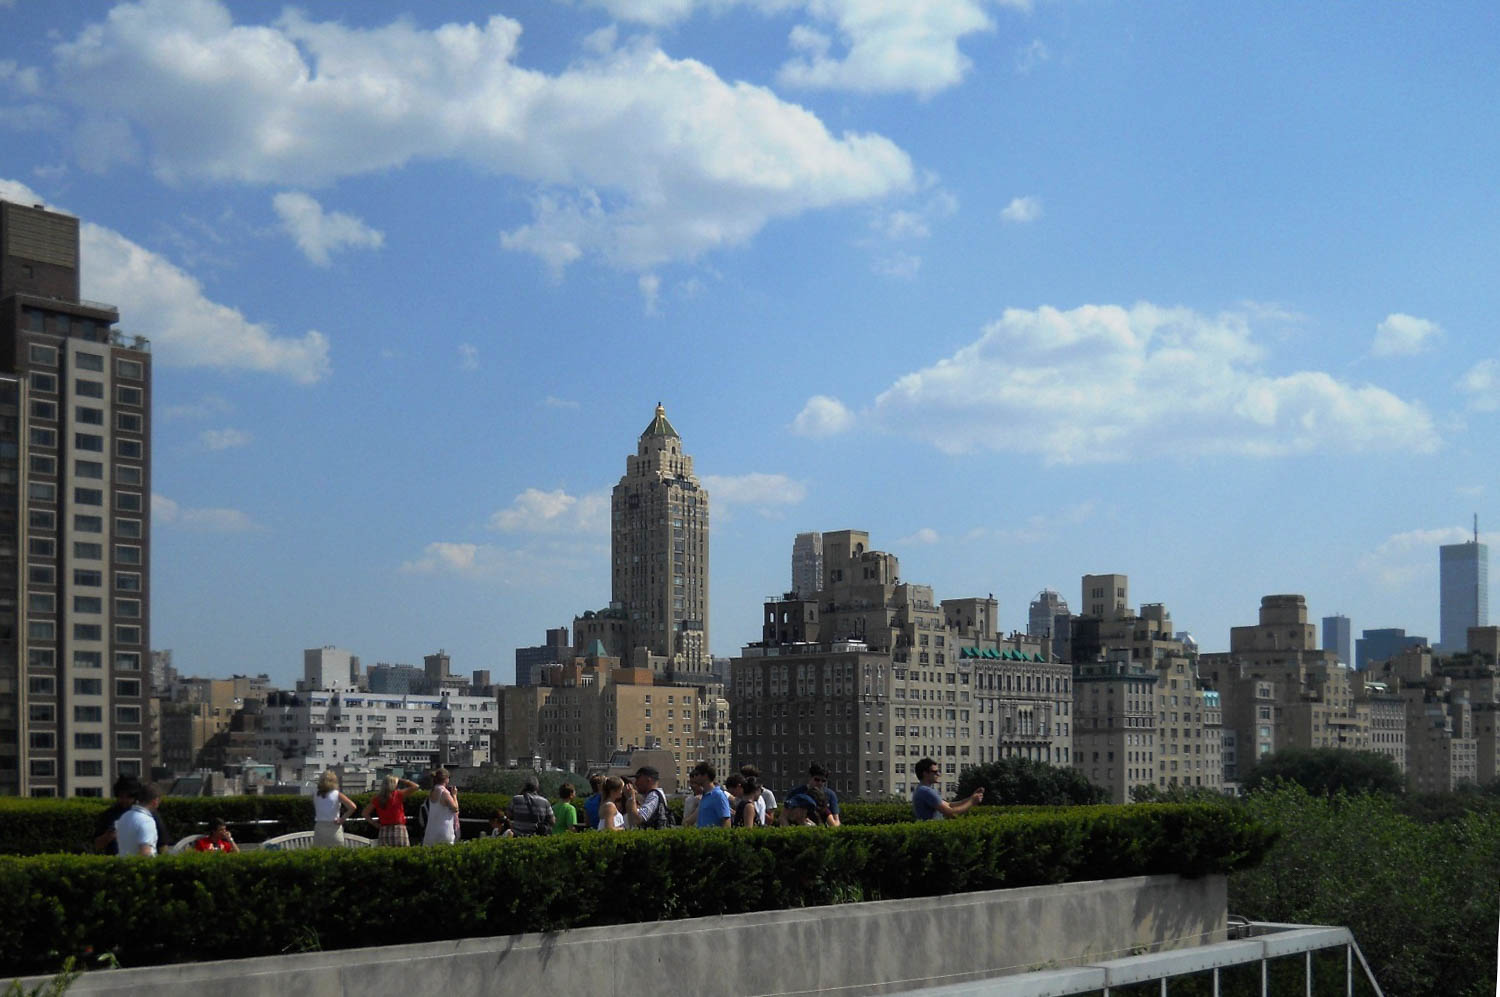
<point x="194" y="906"/>
<point x="1024" y="782"/>
<point x="32" y="826"/>
<point x="1420" y="898"/>
<point x="54" y="987"/>
<point x="508" y="782"/>
<point x="1147" y="793"/>
<point x="1324" y="771"/>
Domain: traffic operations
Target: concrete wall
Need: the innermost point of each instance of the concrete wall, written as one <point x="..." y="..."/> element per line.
<point x="865" y="948"/>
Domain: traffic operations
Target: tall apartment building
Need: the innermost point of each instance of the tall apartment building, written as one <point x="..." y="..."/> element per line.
<point x="75" y="481"/>
<point x="1339" y="638"/>
<point x="807" y="564"/>
<point x="1382" y="644"/>
<point x="1464" y="591"/>
<point x="329" y="667"/>
<point x="1041" y="618"/>
<point x="871" y="674"/>
<point x="659" y="553"/>
<point x="1106" y="597"/>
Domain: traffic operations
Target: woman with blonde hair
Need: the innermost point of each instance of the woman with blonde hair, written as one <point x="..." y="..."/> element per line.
<point x="442" y="811"/>
<point x="330" y="809"/>
<point x="611" y="817"/>
<point x="389" y="808"/>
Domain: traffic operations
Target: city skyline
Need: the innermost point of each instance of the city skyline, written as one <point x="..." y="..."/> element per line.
<point x="1034" y="292"/>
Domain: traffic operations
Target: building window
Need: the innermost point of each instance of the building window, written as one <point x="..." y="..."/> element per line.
<point x="88" y="659"/>
<point x="129" y="449"/>
<point x="127" y="474"/>
<point x="43" y="768"/>
<point x="88" y="441"/>
<point x="41" y="685"/>
<point x="44" y="355"/>
<point x="126" y="395"/>
<point x="128" y="609"/>
<point x="127" y="742"/>
<point x="46" y="383"/>
<point x="88" y="714"/>
<point x="43" y="437"/>
<point x="42" y="491"/>
<point x="87" y="389"/>
<point x="41" y="630"/>
<point x="128" y="501"/>
<point x="88" y="469"/>
<point x="88" y="524"/>
<point x="88" y="576"/>
<point x="88" y="415"/>
<point x="41" y="602"/>
<point x="88" y="687"/>
<point x="127" y="554"/>
<point x="43" y="740"/>
<point x="127" y="661"/>
<point x="88" y="496"/>
<point x="128" y="422"/>
<point x="130" y="369"/>
<point x="43" y="410"/>
<point x="127" y="581"/>
<point x="88" y="741"/>
<point x="127" y="635"/>
<point x="88" y="361"/>
<point x="87" y="604"/>
<point x="43" y="464"/>
<point x="127" y="715"/>
<point x="88" y="631"/>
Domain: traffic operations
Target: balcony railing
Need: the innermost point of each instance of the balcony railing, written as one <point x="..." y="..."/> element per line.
<point x="1250" y="942"/>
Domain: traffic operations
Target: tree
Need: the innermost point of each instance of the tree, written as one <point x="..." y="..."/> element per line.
<point x="508" y="782"/>
<point x="1326" y="771"/>
<point x="1021" y="781"/>
<point x="1147" y="793"/>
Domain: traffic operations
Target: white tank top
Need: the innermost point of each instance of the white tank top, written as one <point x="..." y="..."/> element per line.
<point x="326" y="805"/>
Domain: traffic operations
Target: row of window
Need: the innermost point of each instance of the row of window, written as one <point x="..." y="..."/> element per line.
<point x="47" y="630"/>
<point x="46" y="657"/>
<point x="43" y="355"/>
<point x="46" y="685"/>
<point x="126" y="422"/>
<point x="41" y="436"/>
<point x="46" y="519"/>
<point x="46" y="491"/>
<point x="46" y="602"/>
<point x="46" y="740"/>
<point x="45" y="574"/>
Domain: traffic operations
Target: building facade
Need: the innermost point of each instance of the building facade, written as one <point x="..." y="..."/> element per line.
<point x="659" y="553"/>
<point x="807" y="564"/>
<point x="555" y="650"/>
<point x="1464" y="591"/>
<point x="1338" y="637"/>
<point x="75" y="526"/>
<point x="1041" y="618"/>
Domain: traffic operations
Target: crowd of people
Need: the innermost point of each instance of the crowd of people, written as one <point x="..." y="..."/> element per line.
<point x="132" y="826"/>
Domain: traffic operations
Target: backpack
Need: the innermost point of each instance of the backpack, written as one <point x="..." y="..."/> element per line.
<point x="663" y="817"/>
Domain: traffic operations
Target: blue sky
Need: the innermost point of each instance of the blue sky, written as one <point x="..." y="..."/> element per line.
<point x="1201" y="293"/>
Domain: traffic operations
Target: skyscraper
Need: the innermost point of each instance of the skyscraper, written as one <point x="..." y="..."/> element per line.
<point x="75" y="476"/>
<point x="659" y="543"/>
<point x="1339" y="638"/>
<point x="1041" y="620"/>
<point x="807" y="564"/>
<point x="1464" y="594"/>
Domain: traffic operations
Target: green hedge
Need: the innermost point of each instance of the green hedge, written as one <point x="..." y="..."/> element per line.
<point x="190" y="907"/>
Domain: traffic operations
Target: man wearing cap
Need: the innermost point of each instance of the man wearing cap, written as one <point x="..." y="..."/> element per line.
<point x="648" y="807"/>
<point x="817" y="778"/>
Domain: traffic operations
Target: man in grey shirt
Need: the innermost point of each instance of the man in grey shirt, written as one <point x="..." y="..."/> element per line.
<point x="648" y="807"/>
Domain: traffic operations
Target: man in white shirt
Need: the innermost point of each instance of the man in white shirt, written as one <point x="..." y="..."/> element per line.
<point x="135" y="831"/>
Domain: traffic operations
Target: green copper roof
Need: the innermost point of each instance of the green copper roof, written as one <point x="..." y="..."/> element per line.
<point x="659" y="425"/>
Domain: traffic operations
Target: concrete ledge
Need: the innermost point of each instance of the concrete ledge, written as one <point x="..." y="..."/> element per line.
<point x="865" y="948"/>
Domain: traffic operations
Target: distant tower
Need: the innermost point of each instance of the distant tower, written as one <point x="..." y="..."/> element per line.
<point x="1464" y="594"/>
<point x="807" y="564"/>
<point x="1045" y="609"/>
<point x="659" y="543"/>
<point x="1106" y="597"/>
<point x="1338" y="636"/>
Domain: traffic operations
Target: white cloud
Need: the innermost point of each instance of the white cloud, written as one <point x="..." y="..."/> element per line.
<point x="1403" y="335"/>
<point x="925" y="536"/>
<point x="536" y="511"/>
<point x="224" y="439"/>
<point x="1403" y="558"/>
<point x="887" y="46"/>
<point x="756" y="489"/>
<point x="168" y="307"/>
<point x="317" y="233"/>
<point x="903" y="266"/>
<point x="165" y="512"/>
<point x="1022" y="209"/>
<point x="632" y="156"/>
<point x="1481" y="383"/>
<point x="1102" y="383"/>
<point x="822" y="416"/>
<point x="468" y="356"/>
<point x="456" y="558"/>
<point x="553" y="402"/>
<point x="1030" y="56"/>
<point x="206" y="407"/>
<point x="650" y="286"/>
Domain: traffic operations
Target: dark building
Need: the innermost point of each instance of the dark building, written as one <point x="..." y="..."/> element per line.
<point x="555" y="651"/>
<point x="75" y="483"/>
<point x="1375" y="646"/>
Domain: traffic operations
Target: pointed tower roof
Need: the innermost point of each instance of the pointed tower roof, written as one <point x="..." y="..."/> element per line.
<point x="659" y="425"/>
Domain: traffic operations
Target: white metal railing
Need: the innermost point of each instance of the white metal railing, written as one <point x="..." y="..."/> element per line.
<point x="1250" y="942"/>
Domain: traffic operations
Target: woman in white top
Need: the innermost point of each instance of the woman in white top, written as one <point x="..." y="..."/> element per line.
<point x="330" y="807"/>
<point x="611" y="817"/>
<point x="442" y="812"/>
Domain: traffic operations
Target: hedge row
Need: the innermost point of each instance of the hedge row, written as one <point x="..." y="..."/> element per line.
<point x="38" y="826"/>
<point x="196" y="906"/>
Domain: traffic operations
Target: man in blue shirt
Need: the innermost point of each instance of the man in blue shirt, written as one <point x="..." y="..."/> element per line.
<point x="928" y="805"/>
<point x="715" y="810"/>
<point x="817" y="778"/>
